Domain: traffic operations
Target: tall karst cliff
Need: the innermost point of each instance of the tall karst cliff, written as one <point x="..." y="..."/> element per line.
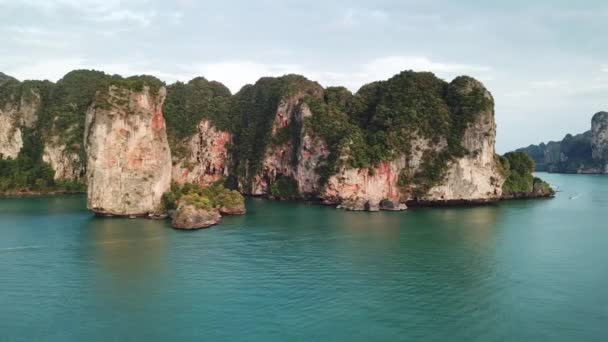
<point x="199" y="130"/>
<point x="582" y="153"/>
<point x="19" y="107"/>
<point x="599" y="140"/>
<point x="411" y="139"/>
<point x="128" y="156"/>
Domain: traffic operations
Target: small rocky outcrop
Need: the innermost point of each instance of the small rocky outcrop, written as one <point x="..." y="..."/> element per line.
<point x="196" y="207"/>
<point x="235" y="209"/>
<point x="128" y="156"/>
<point x="189" y="216"/>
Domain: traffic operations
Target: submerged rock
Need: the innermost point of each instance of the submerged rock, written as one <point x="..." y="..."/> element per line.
<point x="189" y="216"/>
<point x="233" y="210"/>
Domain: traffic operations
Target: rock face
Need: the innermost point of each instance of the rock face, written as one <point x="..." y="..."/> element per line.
<point x="17" y="113"/>
<point x="296" y="158"/>
<point x="208" y="157"/>
<point x="128" y="157"/>
<point x="599" y="138"/>
<point x="67" y="164"/>
<point x="413" y="139"/>
<point x="364" y="189"/>
<point x="187" y="216"/>
<point x="475" y="176"/>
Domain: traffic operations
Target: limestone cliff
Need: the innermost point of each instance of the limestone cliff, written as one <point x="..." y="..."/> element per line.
<point x="207" y="158"/>
<point x="128" y="156"/>
<point x="413" y="138"/>
<point x="472" y="176"/>
<point x="275" y="152"/>
<point x="18" y="111"/>
<point x="599" y="140"/>
<point x="68" y="164"/>
<point x="475" y="175"/>
<point x="293" y="152"/>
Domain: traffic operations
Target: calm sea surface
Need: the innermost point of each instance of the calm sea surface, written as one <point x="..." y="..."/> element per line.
<point x="516" y="271"/>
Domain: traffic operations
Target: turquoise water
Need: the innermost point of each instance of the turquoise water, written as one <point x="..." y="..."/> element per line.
<point x="516" y="271"/>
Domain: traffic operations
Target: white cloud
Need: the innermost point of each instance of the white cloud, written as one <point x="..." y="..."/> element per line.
<point x="94" y="10"/>
<point x="604" y="68"/>
<point x="549" y="84"/>
<point x="55" y="69"/>
<point x="235" y="74"/>
<point x="356" y="17"/>
<point x="141" y="18"/>
<point x="48" y="69"/>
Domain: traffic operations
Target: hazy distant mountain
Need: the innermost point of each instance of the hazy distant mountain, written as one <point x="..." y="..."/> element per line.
<point x="581" y="153"/>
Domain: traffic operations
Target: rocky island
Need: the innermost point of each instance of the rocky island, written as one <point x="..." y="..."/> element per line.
<point x="582" y="153"/>
<point x="143" y="148"/>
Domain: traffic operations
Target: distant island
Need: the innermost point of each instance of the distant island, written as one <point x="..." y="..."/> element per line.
<point x="139" y="147"/>
<point x="582" y="153"/>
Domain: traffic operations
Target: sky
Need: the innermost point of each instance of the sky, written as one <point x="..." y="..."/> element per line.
<point x="545" y="62"/>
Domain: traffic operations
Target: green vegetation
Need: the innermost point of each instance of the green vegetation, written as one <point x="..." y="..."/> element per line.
<point x="214" y="196"/>
<point x="284" y="188"/>
<point x="188" y="103"/>
<point x="570" y="155"/>
<point x="253" y="110"/>
<point x="64" y="107"/>
<point x="28" y="173"/>
<point x="376" y="124"/>
<point x="542" y="186"/>
<point x="60" y="119"/>
<point x="5" y="78"/>
<point x="379" y="122"/>
<point x="519" y="173"/>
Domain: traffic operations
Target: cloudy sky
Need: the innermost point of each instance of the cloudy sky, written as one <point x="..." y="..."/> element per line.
<point x="545" y="61"/>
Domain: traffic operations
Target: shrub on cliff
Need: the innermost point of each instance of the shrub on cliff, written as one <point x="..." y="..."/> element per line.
<point x="520" y="178"/>
<point x="284" y="188"/>
<point x="188" y="103"/>
<point x="28" y="172"/>
<point x="253" y="110"/>
<point x="214" y="196"/>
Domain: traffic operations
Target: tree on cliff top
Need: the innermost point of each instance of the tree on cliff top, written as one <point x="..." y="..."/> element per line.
<point x="189" y="103"/>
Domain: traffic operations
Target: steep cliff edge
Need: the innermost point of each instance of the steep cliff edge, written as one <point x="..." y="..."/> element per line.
<point x="279" y="157"/>
<point x="199" y="131"/>
<point x="599" y="140"/>
<point x="19" y="107"/>
<point x="42" y="129"/>
<point x="585" y="153"/>
<point x="128" y="156"/>
<point x="413" y="138"/>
